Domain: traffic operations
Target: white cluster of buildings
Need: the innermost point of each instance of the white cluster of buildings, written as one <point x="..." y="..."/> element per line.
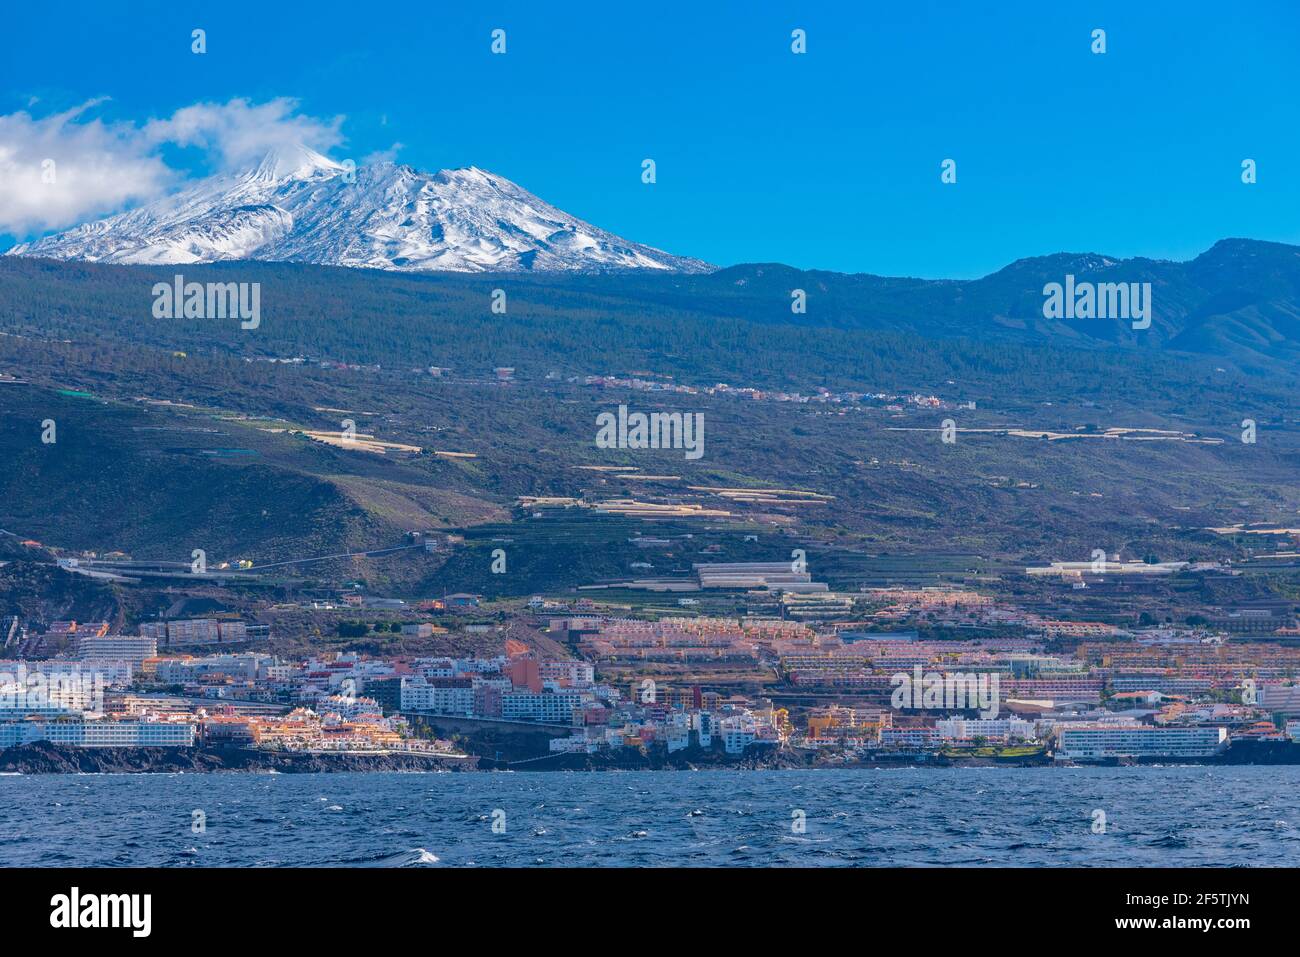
<point x="992" y="730"/>
<point x="1074" y="741"/>
<point x="506" y="689"/>
<point x="732" y="729"/>
<point x="40" y="702"/>
<point x="564" y="692"/>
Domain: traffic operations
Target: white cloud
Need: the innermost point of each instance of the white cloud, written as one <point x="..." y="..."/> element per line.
<point x="241" y="133"/>
<point x="58" y="169"/>
<point x="382" y="156"/>
<point x="65" y="168"/>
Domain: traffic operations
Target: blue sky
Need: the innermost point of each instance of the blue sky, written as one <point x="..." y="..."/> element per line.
<point x="826" y="160"/>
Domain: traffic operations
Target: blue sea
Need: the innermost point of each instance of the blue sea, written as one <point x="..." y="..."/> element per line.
<point x="1170" y="816"/>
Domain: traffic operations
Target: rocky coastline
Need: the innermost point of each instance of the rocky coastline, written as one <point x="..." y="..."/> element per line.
<point x="43" y="757"/>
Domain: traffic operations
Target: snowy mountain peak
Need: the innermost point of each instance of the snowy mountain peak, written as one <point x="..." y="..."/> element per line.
<point x="299" y="206"/>
<point x="295" y="162"/>
<point x="468" y="174"/>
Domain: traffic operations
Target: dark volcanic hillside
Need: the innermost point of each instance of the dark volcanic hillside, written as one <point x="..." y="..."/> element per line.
<point x="1237" y="303"/>
<point x="191" y="436"/>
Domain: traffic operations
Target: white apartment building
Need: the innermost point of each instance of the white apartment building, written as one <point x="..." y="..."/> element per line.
<point x="678" y="738"/>
<point x="740" y="731"/>
<point x="1096" y="741"/>
<point x="132" y="648"/>
<point x="52" y="694"/>
<point x="576" y="743"/>
<point x="550" y="706"/>
<point x="574" y="673"/>
<point x="109" y="672"/>
<point x="736" y="738"/>
<point x="346" y="706"/>
<point x="446" y="696"/>
<point x="1001" y="729"/>
<point x="246" y="665"/>
<point x="705" y="725"/>
<point x="907" y="737"/>
<point x="81" y="733"/>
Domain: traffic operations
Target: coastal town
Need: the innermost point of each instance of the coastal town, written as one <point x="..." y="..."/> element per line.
<point x="884" y="676"/>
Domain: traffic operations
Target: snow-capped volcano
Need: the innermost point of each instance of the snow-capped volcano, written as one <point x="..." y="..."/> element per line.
<point x="298" y="206"/>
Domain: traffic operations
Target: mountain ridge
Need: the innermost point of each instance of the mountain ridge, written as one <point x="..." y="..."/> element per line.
<point x="1238" y="302"/>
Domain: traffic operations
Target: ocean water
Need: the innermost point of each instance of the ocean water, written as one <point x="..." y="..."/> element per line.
<point x="1170" y="816"/>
